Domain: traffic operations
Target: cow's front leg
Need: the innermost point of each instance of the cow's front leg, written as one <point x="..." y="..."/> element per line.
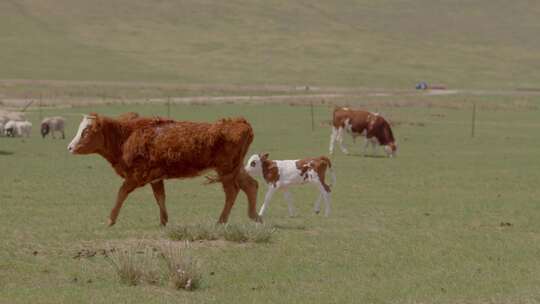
<point x="366" y="145"/>
<point x="289" y="200"/>
<point x="159" y="193"/>
<point x="123" y="193"/>
<point x="374" y="145"/>
<point x="267" y="198"/>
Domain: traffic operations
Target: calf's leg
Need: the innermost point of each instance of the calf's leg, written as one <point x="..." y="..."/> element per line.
<point x="267" y="198"/>
<point x="317" y="206"/>
<point x="326" y="195"/>
<point x="289" y="200"/>
<point x="159" y="193"/>
<point x="123" y="193"/>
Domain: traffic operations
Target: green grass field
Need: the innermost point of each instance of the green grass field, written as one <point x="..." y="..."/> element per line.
<point x="427" y="227"/>
<point x="452" y="219"/>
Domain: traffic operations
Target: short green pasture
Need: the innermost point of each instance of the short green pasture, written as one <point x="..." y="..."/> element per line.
<point x="452" y="219"/>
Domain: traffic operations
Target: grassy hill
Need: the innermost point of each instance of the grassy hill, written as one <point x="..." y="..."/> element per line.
<point x="463" y="43"/>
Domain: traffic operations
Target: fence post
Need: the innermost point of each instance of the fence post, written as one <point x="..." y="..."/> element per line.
<point x="312" y="118"/>
<point x="168" y="107"/>
<point x="473" y="119"/>
<point x="39" y="106"/>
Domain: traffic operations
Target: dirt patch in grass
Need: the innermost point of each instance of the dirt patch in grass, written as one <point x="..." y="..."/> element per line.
<point x="106" y="248"/>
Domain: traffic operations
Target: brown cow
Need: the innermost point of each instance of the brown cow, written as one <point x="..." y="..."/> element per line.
<point x="149" y="150"/>
<point x="362" y="123"/>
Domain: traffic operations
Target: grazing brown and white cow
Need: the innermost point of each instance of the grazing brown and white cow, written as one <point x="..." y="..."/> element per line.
<point x="281" y="174"/>
<point x="362" y="123"/>
<point x="149" y="150"/>
<point x="52" y="125"/>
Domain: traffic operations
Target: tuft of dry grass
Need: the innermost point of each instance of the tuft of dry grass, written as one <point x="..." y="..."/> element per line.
<point x="156" y="266"/>
<point x="241" y="233"/>
<point x="183" y="270"/>
<point x="129" y="266"/>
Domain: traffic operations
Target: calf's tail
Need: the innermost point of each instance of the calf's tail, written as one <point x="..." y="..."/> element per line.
<point x="330" y="170"/>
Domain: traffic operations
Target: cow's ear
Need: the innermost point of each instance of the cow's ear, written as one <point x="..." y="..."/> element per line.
<point x="264" y="156"/>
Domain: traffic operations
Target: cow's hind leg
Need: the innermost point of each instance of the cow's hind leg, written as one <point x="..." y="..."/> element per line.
<point x="123" y="193"/>
<point x="250" y="187"/>
<point x="333" y="139"/>
<point x="231" y="188"/>
<point x="159" y="193"/>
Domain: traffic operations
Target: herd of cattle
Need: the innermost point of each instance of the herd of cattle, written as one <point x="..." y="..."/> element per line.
<point x="149" y="150"/>
<point x="14" y="124"/>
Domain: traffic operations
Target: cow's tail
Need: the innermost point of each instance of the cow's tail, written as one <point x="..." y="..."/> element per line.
<point x="336" y="108"/>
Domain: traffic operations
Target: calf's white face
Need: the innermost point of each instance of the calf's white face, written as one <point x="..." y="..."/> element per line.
<point x="254" y="165"/>
<point x="85" y="123"/>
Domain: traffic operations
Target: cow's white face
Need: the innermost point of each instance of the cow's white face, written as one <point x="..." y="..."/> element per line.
<point x="254" y="165"/>
<point x="82" y="133"/>
<point x="391" y="149"/>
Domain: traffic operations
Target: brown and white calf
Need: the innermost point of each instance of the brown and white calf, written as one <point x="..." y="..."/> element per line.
<point x="149" y="150"/>
<point x="282" y="174"/>
<point x="362" y="123"/>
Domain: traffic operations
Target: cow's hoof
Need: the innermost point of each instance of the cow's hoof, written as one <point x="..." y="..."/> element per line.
<point x="111" y="223"/>
<point x="257" y="219"/>
<point x="317" y="211"/>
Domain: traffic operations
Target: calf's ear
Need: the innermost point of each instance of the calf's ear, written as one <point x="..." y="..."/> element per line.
<point x="264" y="156"/>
